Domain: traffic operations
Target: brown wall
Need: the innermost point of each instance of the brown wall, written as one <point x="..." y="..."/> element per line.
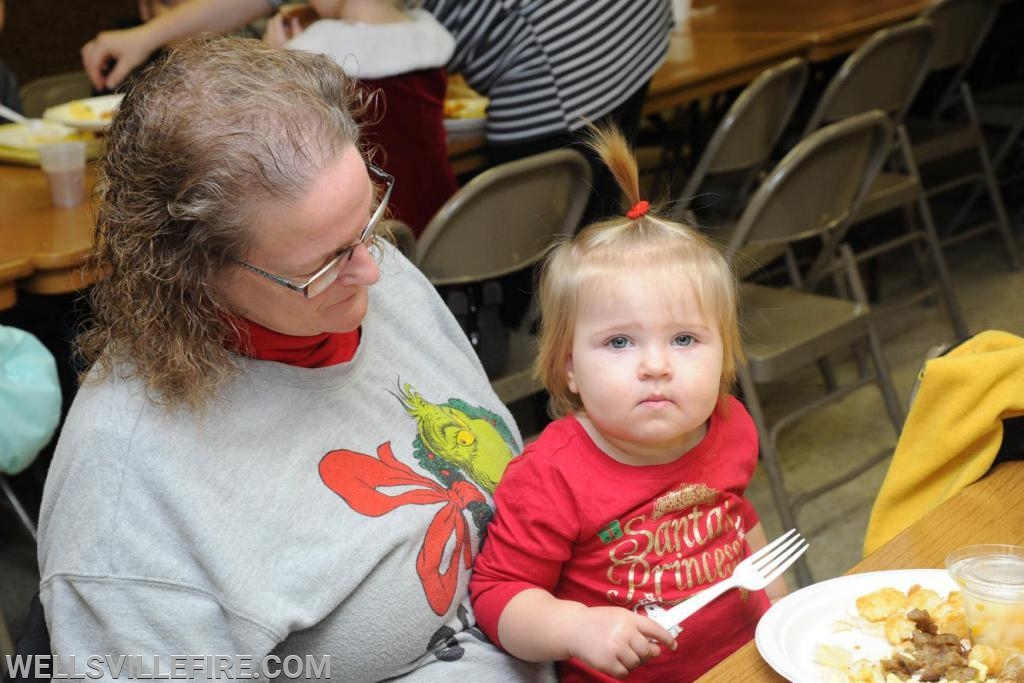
<point x="43" y="37"/>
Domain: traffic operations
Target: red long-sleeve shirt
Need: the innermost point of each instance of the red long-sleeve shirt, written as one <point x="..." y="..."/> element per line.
<point x="573" y="521"/>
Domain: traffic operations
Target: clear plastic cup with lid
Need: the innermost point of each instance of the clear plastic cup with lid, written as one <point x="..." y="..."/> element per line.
<point x="991" y="577"/>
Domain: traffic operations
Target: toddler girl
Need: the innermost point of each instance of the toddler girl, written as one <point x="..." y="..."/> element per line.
<point x="634" y="495"/>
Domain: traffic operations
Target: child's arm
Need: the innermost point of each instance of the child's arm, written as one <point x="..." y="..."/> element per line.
<point x="538" y="627"/>
<point x="529" y="542"/>
<point x="757" y="540"/>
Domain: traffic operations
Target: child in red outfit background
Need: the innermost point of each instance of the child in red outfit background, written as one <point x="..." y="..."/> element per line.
<point x="398" y="53"/>
<point x="634" y="496"/>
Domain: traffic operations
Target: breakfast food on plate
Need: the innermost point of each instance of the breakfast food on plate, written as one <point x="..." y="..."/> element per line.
<point x="462" y="102"/>
<point x="81" y="110"/>
<point x="30" y="136"/>
<point x="304" y="13"/>
<point x="930" y="640"/>
<point x="466" y="109"/>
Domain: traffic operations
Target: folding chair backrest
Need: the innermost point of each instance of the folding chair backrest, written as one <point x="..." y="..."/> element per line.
<point x="504" y="219"/>
<point x="38" y="95"/>
<point x="884" y="73"/>
<point x="960" y="28"/>
<point x="817" y="187"/>
<point x="750" y="129"/>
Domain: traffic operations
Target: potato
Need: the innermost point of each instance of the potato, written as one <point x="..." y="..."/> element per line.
<point x="882" y="604"/>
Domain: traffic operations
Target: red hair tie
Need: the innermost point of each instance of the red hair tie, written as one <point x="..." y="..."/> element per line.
<point x="639" y="209"/>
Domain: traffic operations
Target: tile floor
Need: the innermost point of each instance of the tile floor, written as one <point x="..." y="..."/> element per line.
<point x="990" y="295"/>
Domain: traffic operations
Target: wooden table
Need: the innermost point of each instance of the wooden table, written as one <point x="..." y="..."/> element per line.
<point x="725" y="44"/>
<point x="703" y="63"/>
<point x="43" y="248"/>
<point x="830" y="27"/>
<point x="41" y="244"/>
<point x="987" y="511"/>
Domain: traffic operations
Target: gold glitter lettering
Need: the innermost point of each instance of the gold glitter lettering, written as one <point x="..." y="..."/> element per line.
<point x="713" y="522"/>
<point x="682" y="497"/>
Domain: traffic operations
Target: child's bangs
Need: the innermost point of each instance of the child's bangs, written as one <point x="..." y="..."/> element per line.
<point x="668" y="263"/>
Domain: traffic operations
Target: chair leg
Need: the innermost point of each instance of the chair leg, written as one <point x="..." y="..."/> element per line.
<point x="773" y="467"/>
<point x="1005" y="147"/>
<point x="931" y="237"/>
<point x="19" y="509"/>
<point x="855" y="350"/>
<point x="920" y="257"/>
<point x="992" y="185"/>
<point x="889" y="395"/>
<point x="828" y="374"/>
<point x="938" y="258"/>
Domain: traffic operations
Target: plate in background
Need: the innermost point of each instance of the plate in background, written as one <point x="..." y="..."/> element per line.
<point x="463" y="126"/>
<point x="19" y="145"/>
<point x="92" y="113"/>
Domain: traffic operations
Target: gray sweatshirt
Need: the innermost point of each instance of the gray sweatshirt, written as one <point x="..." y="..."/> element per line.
<point x="328" y="511"/>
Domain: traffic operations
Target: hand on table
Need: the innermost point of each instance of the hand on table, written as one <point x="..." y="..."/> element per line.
<point x="615" y="641"/>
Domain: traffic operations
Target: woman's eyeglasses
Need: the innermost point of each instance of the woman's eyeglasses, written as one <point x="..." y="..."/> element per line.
<point x="325" y="277"/>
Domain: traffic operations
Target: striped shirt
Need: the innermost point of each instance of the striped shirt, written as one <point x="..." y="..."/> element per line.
<point x="551" y="65"/>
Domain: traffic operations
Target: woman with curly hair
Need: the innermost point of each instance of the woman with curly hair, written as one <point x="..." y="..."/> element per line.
<point x="284" y="444"/>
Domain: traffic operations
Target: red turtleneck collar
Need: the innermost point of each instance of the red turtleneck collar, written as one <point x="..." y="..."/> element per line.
<point x="318" y="351"/>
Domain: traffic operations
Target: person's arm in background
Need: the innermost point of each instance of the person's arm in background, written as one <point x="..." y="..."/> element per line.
<point x="122" y="51"/>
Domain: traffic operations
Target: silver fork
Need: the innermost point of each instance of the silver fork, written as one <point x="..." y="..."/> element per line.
<point x="753" y="573"/>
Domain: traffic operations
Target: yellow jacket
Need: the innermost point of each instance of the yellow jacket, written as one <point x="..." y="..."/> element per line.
<point x="953" y="431"/>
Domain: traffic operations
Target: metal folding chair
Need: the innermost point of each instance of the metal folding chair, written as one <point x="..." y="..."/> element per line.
<point x="788" y="328"/>
<point x="953" y="126"/>
<point x="736" y="155"/>
<point x="502" y="222"/>
<point x="885" y="73"/>
<point x="741" y="146"/>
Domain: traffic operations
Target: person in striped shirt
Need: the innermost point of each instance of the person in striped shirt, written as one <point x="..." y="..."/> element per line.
<point x="548" y="67"/>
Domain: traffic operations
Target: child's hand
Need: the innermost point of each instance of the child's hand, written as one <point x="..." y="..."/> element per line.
<point x="280" y="30"/>
<point x="615" y="641"/>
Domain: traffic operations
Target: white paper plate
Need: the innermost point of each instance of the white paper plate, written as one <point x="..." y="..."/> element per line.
<point x="463" y="126"/>
<point x="92" y="113"/>
<point x="23" y="136"/>
<point x="790" y="632"/>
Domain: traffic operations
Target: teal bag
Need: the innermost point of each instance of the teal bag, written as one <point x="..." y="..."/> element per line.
<point x="29" y="398"/>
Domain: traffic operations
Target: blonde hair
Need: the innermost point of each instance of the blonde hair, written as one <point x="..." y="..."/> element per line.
<point x="668" y="249"/>
<point x="205" y="137"/>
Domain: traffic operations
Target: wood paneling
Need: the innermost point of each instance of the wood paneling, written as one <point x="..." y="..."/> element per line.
<point x="43" y="37"/>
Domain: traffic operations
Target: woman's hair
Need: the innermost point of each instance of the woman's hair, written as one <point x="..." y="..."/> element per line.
<point x="663" y="248"/>
<point x="212" y="131"/>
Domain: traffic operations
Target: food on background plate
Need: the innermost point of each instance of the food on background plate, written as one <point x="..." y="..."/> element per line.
<point x="31" y="136"/>
<point x="930" y="642"/>
<point x="462" y="102"/>
<point x="303" y="12"/>
<point x="91" y="113"/>
<point x="83" y="111"/>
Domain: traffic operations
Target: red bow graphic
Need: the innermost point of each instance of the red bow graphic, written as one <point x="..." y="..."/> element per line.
<point x="361" y="479"/>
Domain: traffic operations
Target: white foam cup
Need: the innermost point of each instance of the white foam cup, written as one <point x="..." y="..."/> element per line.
<point x="64" y="166"/>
